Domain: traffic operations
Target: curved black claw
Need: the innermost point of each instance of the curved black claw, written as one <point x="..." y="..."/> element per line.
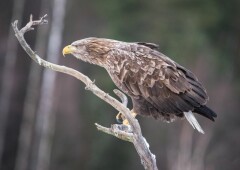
<point x="119" y="118"/>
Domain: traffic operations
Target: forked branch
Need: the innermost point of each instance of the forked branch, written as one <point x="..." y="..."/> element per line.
<point x="132" y="134"/>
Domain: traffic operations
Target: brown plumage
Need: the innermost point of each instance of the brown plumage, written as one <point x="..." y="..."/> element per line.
<point x="157" y="85"/>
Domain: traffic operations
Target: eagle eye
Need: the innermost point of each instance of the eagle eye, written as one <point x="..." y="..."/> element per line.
<point x="78" y="45"/>
<point x="74" y="45"/>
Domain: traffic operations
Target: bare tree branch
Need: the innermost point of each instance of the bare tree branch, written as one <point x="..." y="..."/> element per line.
<point x="132" y="134"/>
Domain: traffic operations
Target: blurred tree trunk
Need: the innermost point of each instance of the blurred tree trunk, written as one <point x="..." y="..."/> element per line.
<point x="199" y="153"/>
<point x="31" y="100"/>
<point x="191" y="149"/>
<point x="8" y="71"/>
<point x="45" y="117"/>
<point x="185" y="148"/>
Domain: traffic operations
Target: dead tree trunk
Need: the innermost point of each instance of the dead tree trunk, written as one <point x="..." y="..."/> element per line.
<point x="31" y="101"/>
<point x="7" y="79"/>
<point x="45" y="117"/>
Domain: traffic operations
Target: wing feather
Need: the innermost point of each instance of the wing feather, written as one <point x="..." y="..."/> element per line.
<point x="158" y="85"/>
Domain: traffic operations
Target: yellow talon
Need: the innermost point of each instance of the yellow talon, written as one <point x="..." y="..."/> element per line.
<point x="133" y="114"/>
<point x="125" y="122"/>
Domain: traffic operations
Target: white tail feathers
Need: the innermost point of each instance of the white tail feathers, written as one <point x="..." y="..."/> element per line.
<point x="193" y="121"/>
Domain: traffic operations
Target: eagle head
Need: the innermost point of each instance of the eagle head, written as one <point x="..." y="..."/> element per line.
<point x="92" y="50"/>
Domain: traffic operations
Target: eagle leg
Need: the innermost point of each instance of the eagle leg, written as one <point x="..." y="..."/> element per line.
<point x="121" y="119"/>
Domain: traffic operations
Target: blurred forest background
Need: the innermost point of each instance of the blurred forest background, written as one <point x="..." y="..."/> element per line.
<point x="47" y="119"/>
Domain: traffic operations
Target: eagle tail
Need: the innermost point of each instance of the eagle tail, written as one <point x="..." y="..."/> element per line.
<point x="206" y="112"/>
<point x="193" y="121"/>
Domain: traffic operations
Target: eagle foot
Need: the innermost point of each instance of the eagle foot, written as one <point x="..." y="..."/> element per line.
<point x="122" y="120"/>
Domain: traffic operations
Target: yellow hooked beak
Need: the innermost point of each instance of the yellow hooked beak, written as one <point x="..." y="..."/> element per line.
<point x="68" y="50"/>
